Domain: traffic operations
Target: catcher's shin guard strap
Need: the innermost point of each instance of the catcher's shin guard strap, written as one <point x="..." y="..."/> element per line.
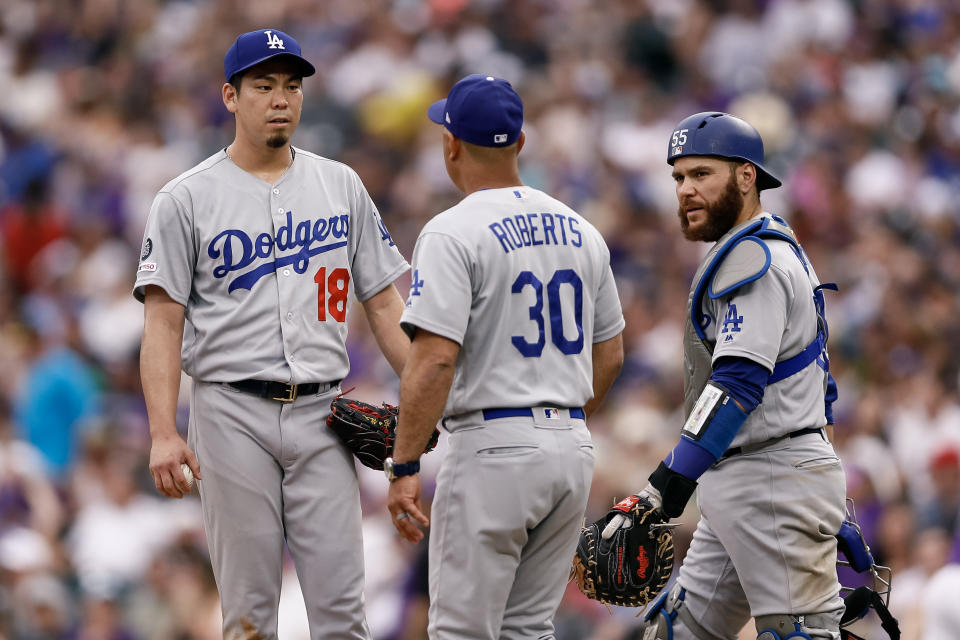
<point x="786" y="626"/>
<point x="663" y="613"/>
<point x="780" y="627"/>
<point x="770" y="634"/>
<point x="670" y="619"/>
<point x="675" y="489"/>
<point x="669" y="612"/>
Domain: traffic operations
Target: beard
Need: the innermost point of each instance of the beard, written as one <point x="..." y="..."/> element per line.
<point x="721" y="215"/>
<point x="277" y="141"/>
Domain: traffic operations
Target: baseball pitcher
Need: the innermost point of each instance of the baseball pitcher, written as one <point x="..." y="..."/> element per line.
<point x="249" y="260"/>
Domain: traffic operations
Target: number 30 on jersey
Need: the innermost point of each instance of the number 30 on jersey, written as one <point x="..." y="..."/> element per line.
<point x="554" y="309"/>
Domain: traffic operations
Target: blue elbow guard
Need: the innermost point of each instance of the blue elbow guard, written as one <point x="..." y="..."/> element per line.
<point x="715" y="420"/>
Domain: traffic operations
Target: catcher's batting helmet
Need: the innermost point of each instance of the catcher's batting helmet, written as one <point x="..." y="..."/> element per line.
<point x="714" y="133"/>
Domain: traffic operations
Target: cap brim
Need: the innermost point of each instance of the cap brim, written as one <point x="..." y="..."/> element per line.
<point x="306" y="68"/>
<point x="437" y="110"/>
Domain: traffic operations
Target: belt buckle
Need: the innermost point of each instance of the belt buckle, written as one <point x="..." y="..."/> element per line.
<point x="290" y="396"/>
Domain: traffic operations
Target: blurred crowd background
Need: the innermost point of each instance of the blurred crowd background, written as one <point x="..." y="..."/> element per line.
<point x="103" y="101"/>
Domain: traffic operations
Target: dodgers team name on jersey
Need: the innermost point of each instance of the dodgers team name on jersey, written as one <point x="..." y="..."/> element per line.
<point x="238" y="251"/>
<point x="536" y="229"/>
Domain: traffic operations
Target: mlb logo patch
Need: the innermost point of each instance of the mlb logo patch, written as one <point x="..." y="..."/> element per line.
<point x="676" y="151"/>
<point x="499" y="138"/>
<point x="551" y="414"/>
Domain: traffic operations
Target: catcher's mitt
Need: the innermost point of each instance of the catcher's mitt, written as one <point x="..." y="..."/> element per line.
<point x="632" y="566"/>
<point x="368" y="431"/>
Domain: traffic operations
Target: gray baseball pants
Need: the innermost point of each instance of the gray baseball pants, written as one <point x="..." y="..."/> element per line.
<point x="273" y="473"/>
<point x="506" y="517"/>
<point x="765" y="541"/>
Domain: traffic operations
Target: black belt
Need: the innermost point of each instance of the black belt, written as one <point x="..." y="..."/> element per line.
<point x="281" y="391"/>
<point x="735" y="451"/>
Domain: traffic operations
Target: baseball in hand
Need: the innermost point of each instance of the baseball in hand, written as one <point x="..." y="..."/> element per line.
<point x="188" y="474"/>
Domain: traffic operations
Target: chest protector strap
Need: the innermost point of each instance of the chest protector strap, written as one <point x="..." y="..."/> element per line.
<point x="749" y="259"/>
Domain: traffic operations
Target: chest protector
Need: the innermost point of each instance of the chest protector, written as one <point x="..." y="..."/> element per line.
<point x="737" y="260"/>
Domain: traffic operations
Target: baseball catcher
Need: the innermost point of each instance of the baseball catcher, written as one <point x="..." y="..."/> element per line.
<point x="629" y="563"/>
<point x="368" y="431"/>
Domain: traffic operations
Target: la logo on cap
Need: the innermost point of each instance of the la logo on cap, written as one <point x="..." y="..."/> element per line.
<point x="273" y="40"/>
<point x="253" y="47"/>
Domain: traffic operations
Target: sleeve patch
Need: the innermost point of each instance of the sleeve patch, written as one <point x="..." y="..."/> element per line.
<point x="416" y="283"/>
<point x="731" y="322"/>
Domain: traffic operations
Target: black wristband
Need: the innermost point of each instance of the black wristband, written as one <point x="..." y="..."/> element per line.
<point x="675" y="489"/>
<point x="401" y="469"/>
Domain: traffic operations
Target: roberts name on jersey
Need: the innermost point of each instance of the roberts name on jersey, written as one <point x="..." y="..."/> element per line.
<point x="535" y="229"/>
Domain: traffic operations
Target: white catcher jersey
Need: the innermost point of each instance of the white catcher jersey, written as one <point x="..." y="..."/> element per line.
<point x="523" y="283"/>
<point x="265" y="271"/>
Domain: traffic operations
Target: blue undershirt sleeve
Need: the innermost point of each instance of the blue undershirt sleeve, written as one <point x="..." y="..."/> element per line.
<point x="743" y="378"/>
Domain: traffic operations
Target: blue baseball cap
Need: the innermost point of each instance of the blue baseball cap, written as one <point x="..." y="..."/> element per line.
<point x="481" y="110"/>
<point x="254" y="47"/>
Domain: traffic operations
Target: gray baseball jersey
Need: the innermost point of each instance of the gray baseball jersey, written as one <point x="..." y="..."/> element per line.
<point x="765" y="541"/>
<point x="265" y="273"/>
<point x="768" y="320"/>
<point x="523" y="284"/>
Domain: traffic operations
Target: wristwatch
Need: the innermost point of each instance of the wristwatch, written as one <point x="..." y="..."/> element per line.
<point x="394" y="470"/>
